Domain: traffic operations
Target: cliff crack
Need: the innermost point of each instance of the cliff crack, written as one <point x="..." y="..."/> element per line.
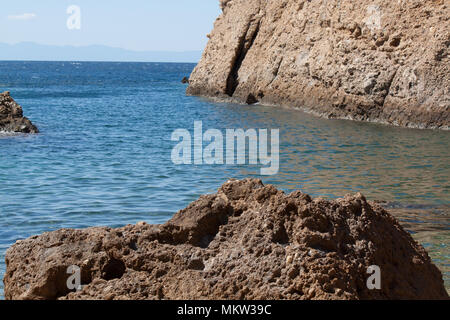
<point x="389" y="85"/>
<point x="276" y="71"/>
<point x="245" y="43"/>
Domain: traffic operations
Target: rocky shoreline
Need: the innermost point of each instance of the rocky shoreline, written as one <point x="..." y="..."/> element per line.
<point x="247" y="241"/>
<point x="385" y="62"/>
<point x="11" y="116"/>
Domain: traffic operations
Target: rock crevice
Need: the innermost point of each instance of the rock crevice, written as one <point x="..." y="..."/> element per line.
<point x="245" y="43"/>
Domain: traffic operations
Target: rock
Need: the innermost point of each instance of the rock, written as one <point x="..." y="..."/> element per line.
<point x="316" y="55"/>
<point x="247" y="241"/>
<point x="11" y="116"/>
<point x="185" y="80"/>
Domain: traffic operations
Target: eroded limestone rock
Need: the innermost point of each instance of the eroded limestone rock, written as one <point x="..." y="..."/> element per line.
<point x="247" y="241"/>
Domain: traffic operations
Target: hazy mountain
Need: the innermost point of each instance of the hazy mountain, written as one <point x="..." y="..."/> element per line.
<point x="39" y="52"/>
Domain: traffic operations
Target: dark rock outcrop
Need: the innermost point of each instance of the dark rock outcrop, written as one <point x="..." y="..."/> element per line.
<point x="185" y="80"/>
<point x="11" y="116"/>
<point x="248" y="241"/>
<point x="384" y="61"/>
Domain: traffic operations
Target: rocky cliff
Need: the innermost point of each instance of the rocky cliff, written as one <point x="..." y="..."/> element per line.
<point x="247" y="241"/>
<point x="11" y="116"/>
<point x="372" y="60"/>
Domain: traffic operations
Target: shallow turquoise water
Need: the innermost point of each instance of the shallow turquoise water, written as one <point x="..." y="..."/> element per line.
<point x="103" y="156"/>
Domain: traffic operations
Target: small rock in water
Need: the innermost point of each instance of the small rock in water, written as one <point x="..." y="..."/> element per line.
<point x="185" y="80"/>
<point x="11" y="116"/>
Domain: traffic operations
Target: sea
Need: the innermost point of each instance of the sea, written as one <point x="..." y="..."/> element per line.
<point x="103" y="156"/>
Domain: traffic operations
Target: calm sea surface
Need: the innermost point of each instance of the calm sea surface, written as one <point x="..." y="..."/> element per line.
<point x="103" y="156"/>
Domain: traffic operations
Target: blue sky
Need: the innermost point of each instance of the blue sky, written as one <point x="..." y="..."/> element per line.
<point x="163" y="25"/>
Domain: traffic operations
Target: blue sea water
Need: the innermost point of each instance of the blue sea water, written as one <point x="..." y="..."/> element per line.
<point x="103" y="156"/>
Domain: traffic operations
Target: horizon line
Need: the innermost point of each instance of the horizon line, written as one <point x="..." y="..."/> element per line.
<point x="100" y="61"/>
<point x="98" y="45"/>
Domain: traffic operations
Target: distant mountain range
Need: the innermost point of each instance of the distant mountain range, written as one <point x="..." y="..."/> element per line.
<point x="38" y="52"/>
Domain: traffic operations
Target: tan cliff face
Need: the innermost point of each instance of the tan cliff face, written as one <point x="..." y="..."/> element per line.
<point x="384" y="61"/>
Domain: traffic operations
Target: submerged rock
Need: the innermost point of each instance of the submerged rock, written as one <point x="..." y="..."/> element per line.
<point x="247" y="241"/>
<point x="11" y="116"/>
<point x="185" y="80"/>
<point x="385" y="62"/>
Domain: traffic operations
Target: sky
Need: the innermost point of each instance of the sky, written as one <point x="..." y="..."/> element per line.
<point x="141" y="25"/>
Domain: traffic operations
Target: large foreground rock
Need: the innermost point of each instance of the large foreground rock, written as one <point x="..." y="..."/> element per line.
<point x="11" y="116"/>
<point x="385" y="61"/>
<point x="248" y="241"/>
